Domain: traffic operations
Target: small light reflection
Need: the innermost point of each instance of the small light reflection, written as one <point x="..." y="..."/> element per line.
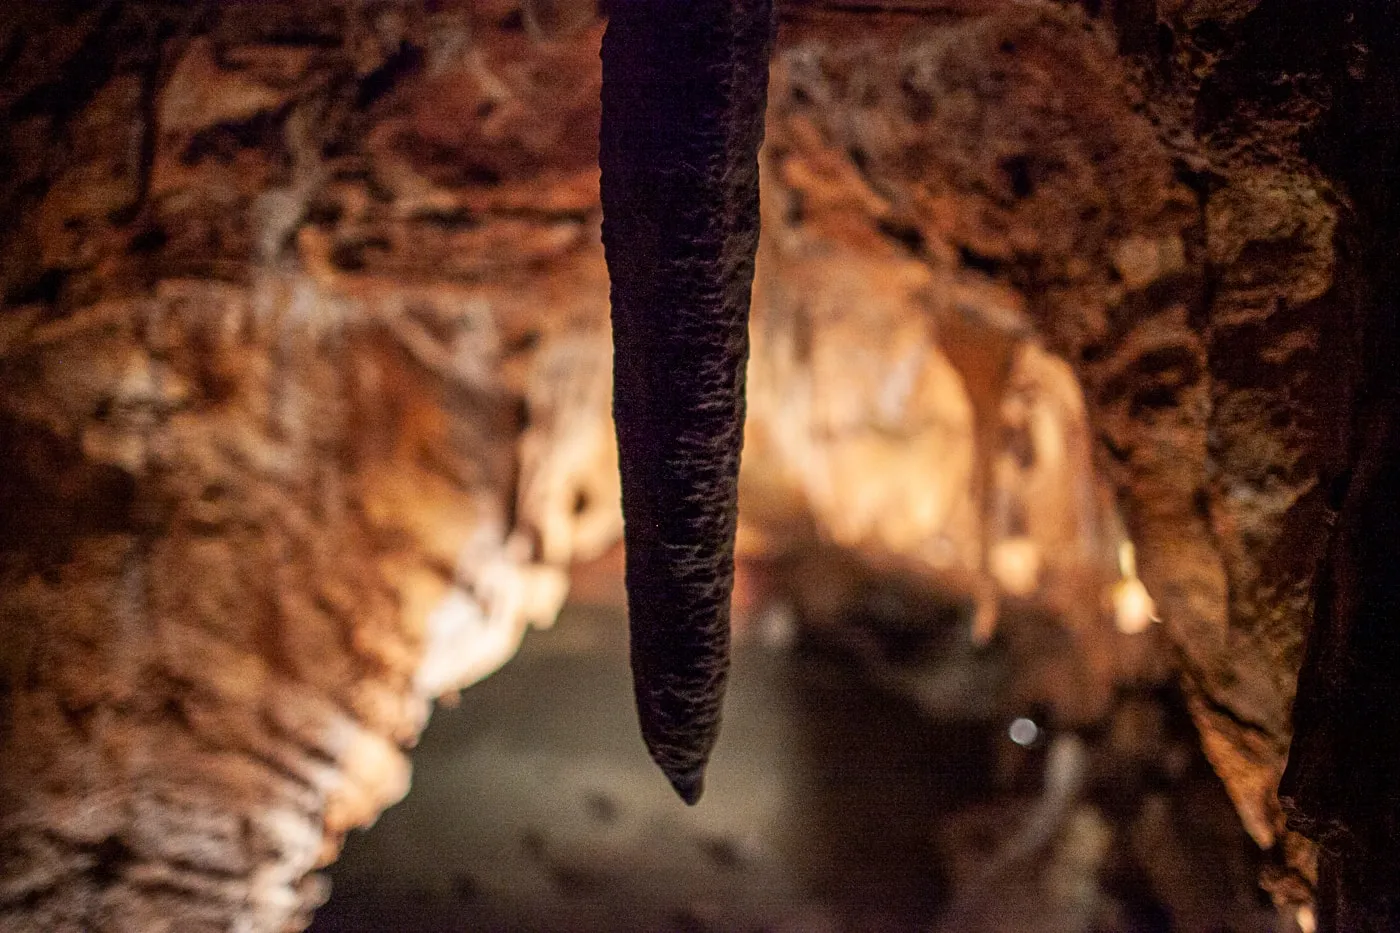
<point x="1133" y="607"/>
<point x="1016" y="564"/>
<point x="1023" y="732"/>
<point x="777" y="626"/>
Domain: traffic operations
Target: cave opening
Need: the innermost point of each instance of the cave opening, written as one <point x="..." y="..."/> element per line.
<point x="839" y="800"/>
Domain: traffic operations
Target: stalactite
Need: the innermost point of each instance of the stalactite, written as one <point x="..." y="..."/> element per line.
<point x="684" y="93"/>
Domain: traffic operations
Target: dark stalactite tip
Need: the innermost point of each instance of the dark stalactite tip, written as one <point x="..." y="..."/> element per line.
<point x="690" y="785"/>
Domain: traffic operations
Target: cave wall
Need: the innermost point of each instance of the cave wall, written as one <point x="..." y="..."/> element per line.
<point x="271" y="313"/>
<point x="304" y="379"/>
<point x="1180" y="221"/>
<point x="1192" y="280"/>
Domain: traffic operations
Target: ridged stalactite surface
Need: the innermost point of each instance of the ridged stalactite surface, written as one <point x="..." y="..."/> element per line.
<point x="684" y="92"/>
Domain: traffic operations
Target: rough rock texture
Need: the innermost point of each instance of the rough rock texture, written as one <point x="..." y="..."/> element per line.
<point x="304" y="388"/>
<point x="1184" y="250"/>
<point x="1341" y="783"/>
<point x="685" y="90"/>
<point x="270" y="311"/>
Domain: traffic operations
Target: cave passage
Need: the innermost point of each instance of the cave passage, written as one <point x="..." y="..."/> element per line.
<point x="836" y="806"/>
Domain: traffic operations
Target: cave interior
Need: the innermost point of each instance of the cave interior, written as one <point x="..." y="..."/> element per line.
<point x="1064" y="573"/>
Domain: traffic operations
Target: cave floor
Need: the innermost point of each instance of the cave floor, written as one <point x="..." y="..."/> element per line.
<point x="829" y="807"/>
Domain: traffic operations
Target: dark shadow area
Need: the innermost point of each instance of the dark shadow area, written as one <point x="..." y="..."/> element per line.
<point x="831" y="806"/>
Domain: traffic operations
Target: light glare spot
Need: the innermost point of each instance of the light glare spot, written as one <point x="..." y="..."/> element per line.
<point x="1023" y="732"/>
<point x="1133" y="608"/>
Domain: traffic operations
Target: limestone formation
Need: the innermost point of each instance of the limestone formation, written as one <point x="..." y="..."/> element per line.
<point x="685" y="90"/>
